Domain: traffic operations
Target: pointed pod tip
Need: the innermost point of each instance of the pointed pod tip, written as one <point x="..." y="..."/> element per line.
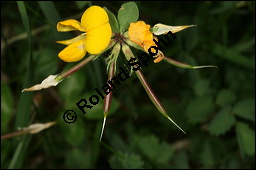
<point x="195" y="67"/>
<point x="176" y="124"/>
<point x="103" y="126"/>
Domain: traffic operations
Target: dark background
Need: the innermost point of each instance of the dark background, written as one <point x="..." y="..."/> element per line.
<point x="216" y="107"/>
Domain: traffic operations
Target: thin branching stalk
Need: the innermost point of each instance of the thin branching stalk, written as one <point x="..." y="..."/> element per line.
<point x="184" y="65"/>
<point x="14" y="134"/>
<point x="74" y="69"/>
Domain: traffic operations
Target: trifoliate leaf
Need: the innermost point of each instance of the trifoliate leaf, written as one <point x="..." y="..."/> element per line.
<point x="222" y="122"/>
<point x="112" y="21"/>
<point x="128" y="13"/>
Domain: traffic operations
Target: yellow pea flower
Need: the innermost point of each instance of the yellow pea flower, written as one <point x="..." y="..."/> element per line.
<point x="95" y="24"/>
<point x="140" y="34"/>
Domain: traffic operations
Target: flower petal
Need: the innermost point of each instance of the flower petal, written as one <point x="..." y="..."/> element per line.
<point x="73" y="40"/>
<point x="69" y="25"/>
<point x="98" y="39"/>
<point x="139" y="33"/>
<point x="74" y="52"/>
<point x="94" y="17"/>
<point x="159" y="57"/>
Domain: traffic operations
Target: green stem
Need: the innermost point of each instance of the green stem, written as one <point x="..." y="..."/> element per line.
<point x="74" y="69"/>
<point x="10" y="135"/>
<point x="77" y="67"/>
<point x="184" y="65"/>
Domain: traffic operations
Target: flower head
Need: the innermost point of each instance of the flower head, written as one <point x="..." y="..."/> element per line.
<point x="95" y="24"/>
<point x="97" y="38"/>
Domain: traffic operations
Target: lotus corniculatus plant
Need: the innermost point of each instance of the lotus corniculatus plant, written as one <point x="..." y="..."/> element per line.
<point x="102" y="31"/>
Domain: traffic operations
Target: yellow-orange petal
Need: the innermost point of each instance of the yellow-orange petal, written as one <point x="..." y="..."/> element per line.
<point x="94" y="17"/>
<point x="73" y="40"/>
<point x="159" y="57"/>
<point x="69" y="25"/>
<point x="74" y="52"/>
<point x="139" y="33"/>
<point x="98" y="39"/>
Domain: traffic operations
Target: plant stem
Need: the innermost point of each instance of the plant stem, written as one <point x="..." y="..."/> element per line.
<point x="10" y="135"/>
<point x="184" y="65"/>
<point x="74" y="69"/>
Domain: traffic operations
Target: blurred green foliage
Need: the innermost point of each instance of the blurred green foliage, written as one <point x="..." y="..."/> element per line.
<point x="216" y="107"/>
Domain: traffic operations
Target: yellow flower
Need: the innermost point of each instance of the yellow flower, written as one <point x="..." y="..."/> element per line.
<point x="139" y="33"/>
<point x="95" y="24"/>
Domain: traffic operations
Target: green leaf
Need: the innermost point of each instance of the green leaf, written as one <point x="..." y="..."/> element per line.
<point x="222" y="122"/>
<point x="232" y="55"/>
<point x="73" y="132"/>
<point x="45" y="64"/>
<point x="245" y="109"/>
<point x="112" y="21"/>
<point x="6" y="107"/>
<point x="25" y="99"/>
<point x="233" y="164"/>
<point x="82" y="4"/>
<point x="206" y="156"/>
<point x="128" y="13"/>
<point x="181" y="160"/>
<point x="155" y="151"/>
<point x="199" y="108"/>
<point x="245" y="46"/>
<point x="127" y="161"/>
<point x="118" y="142"/>
<point x="246" y="139"/>
<point x="50" y="12"/>
<point x="78" y="159"/>
<point x="225" y="97"/>
<point x="202" y="87"/>
<point x="71" y="88"/>
<point x="6" y="149"/>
